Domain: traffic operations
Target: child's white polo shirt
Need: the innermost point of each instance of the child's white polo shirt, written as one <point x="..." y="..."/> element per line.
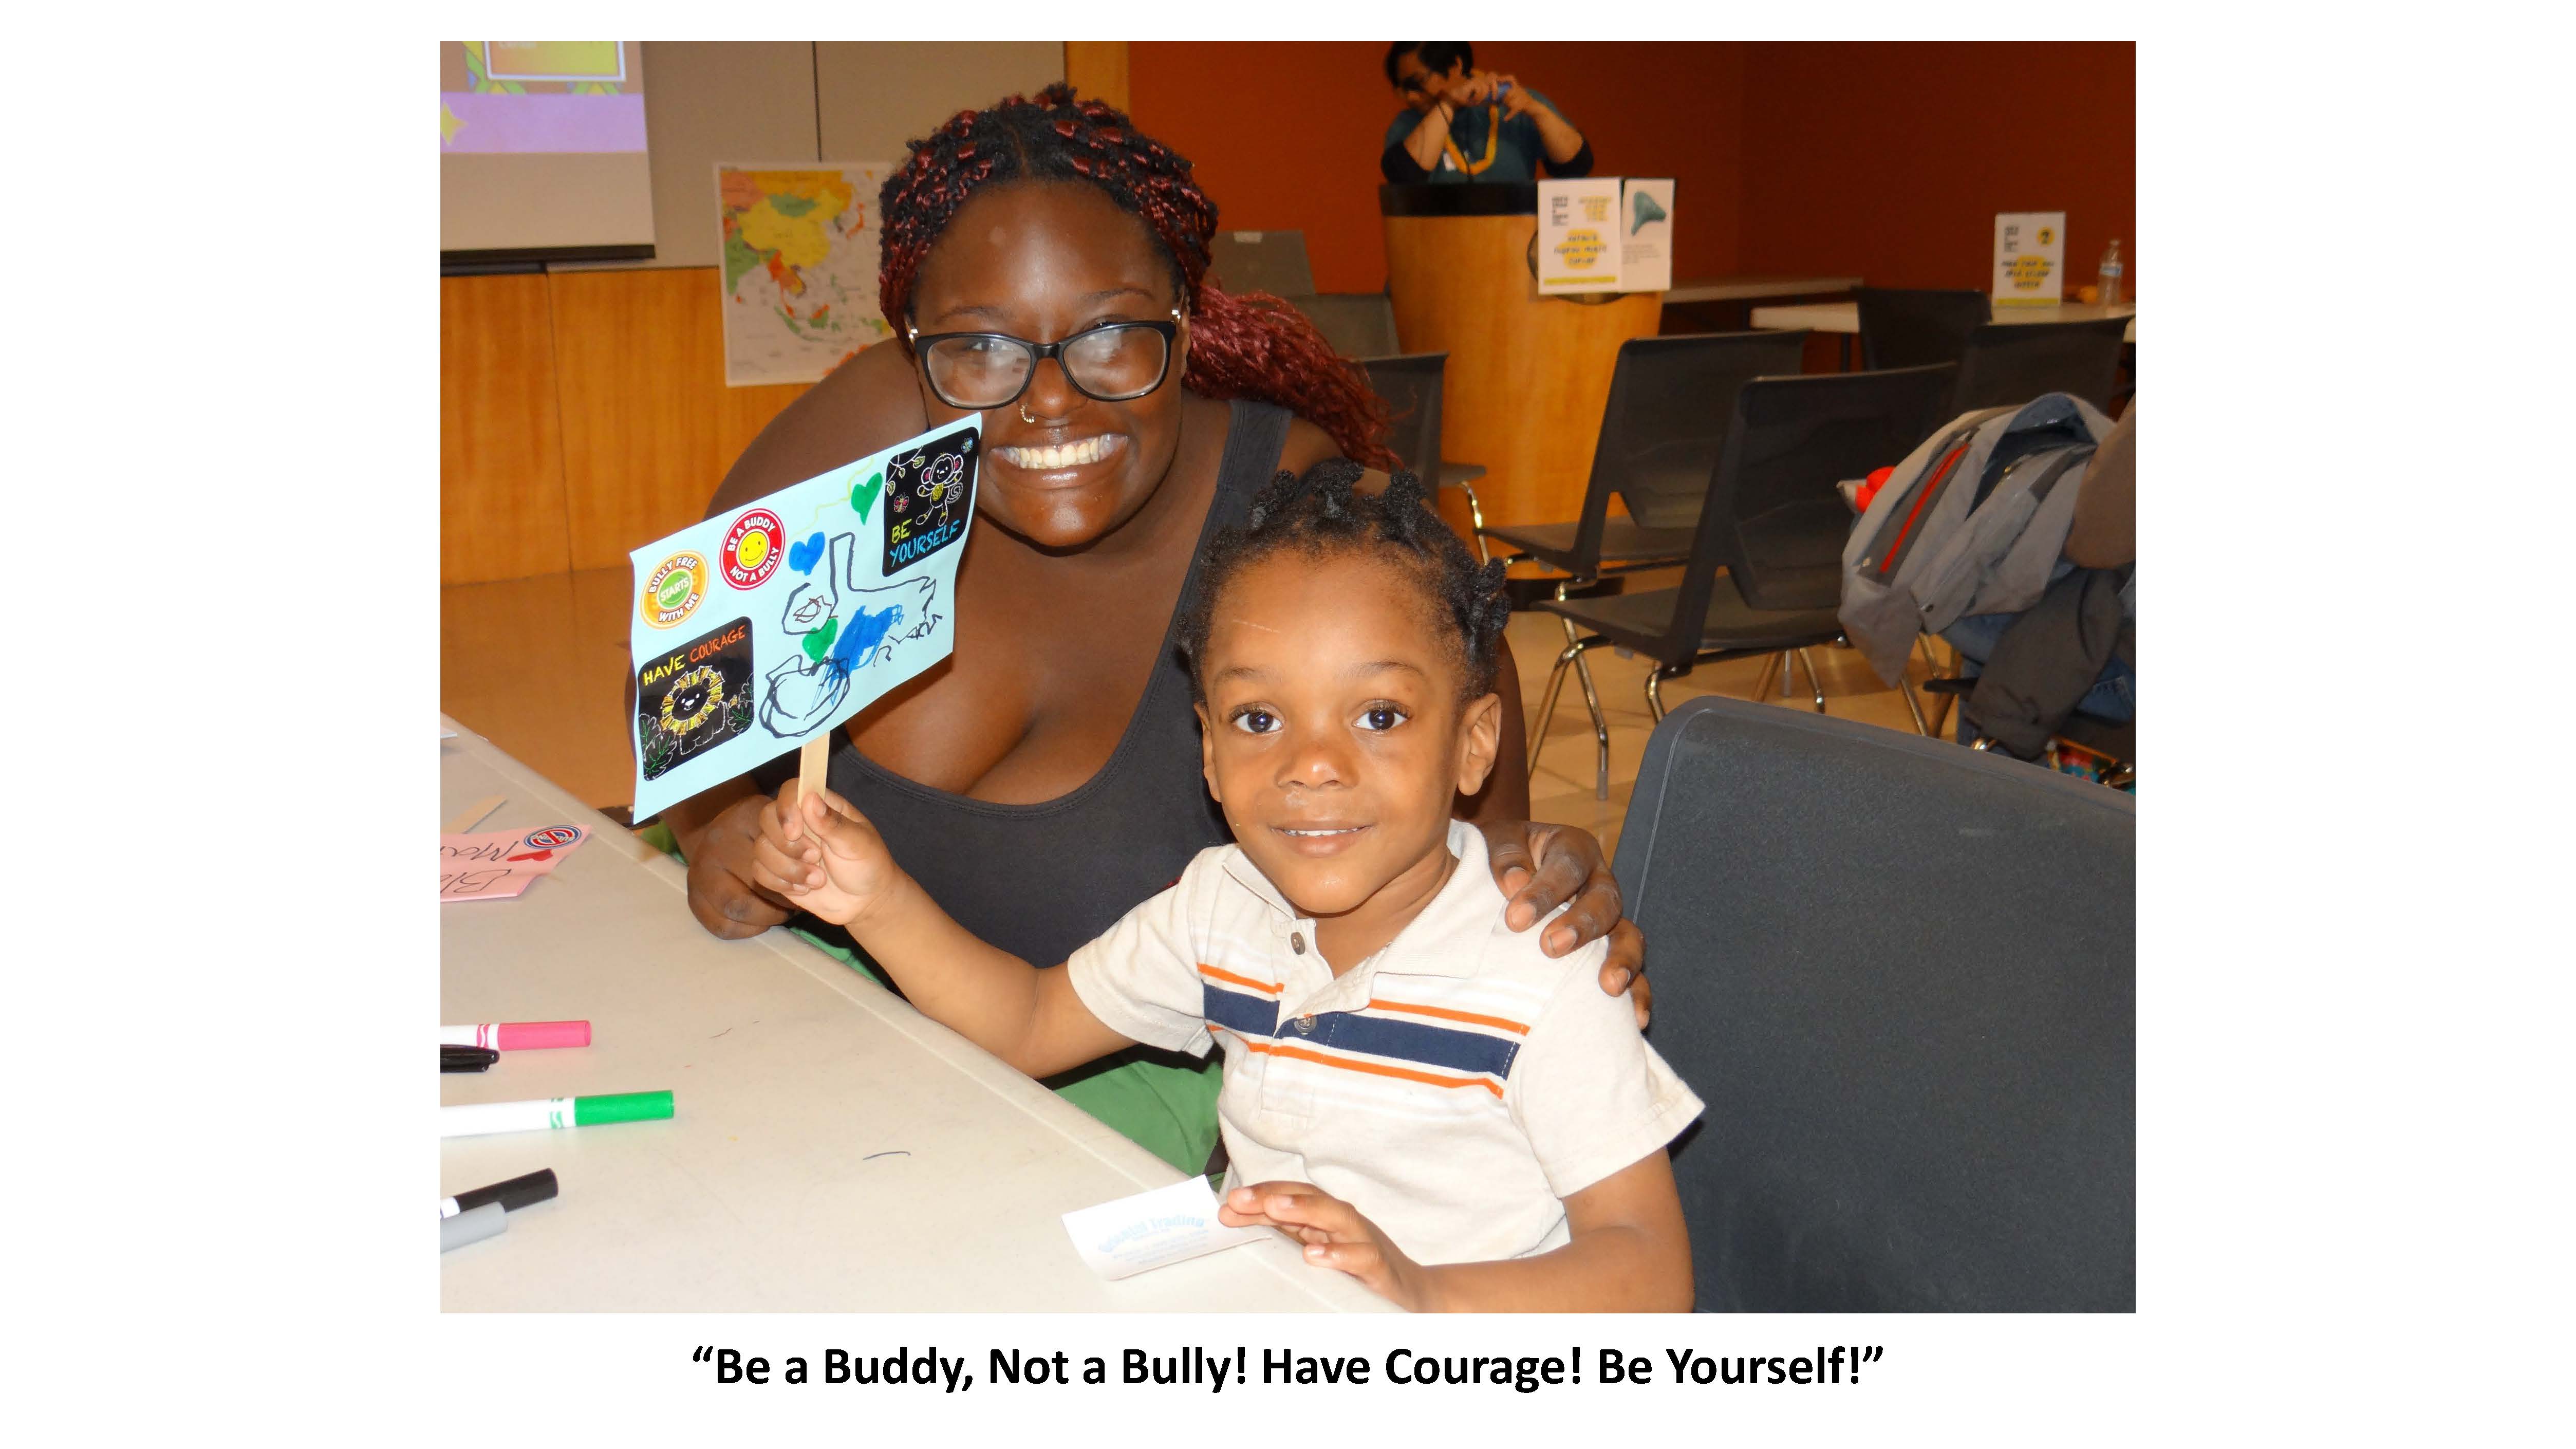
<point x="1453" y="1088"/>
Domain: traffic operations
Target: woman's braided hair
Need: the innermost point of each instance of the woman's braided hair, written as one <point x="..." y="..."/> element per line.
<point x="1320" y="515"/>
<point x="1254" y="346"/>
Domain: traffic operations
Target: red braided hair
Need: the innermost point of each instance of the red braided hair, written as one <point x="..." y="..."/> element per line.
<point x="1254" y="346"/>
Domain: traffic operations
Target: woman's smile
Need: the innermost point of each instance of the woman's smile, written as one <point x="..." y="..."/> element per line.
<point x="1064" y="457"/>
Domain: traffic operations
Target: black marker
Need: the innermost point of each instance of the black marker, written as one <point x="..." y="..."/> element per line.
<point x="513" y="1195"/>
<point x="466" y="1059"/>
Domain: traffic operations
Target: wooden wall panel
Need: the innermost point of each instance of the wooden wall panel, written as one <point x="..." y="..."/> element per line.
<point x="500" y="449"/>
<point x="1097" y="70"/>
<point x="648" y="425"/>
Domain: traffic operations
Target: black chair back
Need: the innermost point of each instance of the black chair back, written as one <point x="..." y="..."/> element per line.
<point x="1902" y="977"/>
<point x="1261" y="261"/>
<point x="1356" y="324"/>
<point x="1670" y="399"/>
<point x="1773" y="518"/>
<point x="1914" y="327"/>
<point x="1410" y="387"/>
<point x="2008" y="364"/>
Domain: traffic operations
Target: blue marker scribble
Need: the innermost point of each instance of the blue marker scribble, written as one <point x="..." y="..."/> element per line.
<point x="858" y="642"/>
<point x="803" y="556"/>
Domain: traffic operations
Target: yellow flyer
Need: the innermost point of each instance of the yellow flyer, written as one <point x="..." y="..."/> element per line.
<point x="1578" y="235"/>
<point x="2030" y="258"/>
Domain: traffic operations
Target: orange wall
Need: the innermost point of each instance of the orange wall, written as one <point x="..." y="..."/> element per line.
<point x="1288" y="135"/>
<point x="1889" y="161"/>
<point x="1883" y="160"/>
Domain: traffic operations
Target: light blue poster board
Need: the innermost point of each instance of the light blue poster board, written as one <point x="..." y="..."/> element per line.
<point x="764" y="627"/>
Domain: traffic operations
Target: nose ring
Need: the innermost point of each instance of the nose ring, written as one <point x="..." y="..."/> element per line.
<point x="1024" y="410"/>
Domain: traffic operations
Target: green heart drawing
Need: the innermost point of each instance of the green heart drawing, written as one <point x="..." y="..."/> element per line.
<point x="865" y="494"/>
<point x="819" y="643"/>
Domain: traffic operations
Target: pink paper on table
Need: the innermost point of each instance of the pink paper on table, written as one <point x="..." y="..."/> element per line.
<point x="498" y="864"/>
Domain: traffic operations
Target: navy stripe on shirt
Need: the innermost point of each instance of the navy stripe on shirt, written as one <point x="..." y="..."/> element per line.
<point x="1239" y="1011"/>
<point x="1412" y="1041"/>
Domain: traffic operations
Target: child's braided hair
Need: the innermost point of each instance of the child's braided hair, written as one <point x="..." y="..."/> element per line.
<point x="1254" y="346"/>
<point x="1321" y="514"/>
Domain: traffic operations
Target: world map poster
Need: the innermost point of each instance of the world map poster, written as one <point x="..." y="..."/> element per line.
<point x="799" y="268"/>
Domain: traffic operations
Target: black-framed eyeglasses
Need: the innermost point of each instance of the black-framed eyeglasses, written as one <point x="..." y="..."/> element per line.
<point x="974" y="371"/>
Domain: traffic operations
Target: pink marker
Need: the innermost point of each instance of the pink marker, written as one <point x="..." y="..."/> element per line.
<point x="517" y="1036"/>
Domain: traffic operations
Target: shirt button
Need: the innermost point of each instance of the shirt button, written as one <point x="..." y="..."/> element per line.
<point x="1303" y="1024"/>
<point x="1297" y="942"/>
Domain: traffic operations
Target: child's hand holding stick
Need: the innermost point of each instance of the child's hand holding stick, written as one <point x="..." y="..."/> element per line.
<point x="817" y="850"/>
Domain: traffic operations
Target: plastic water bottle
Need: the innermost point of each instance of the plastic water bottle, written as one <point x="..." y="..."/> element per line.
<point x="2106" y="281"/>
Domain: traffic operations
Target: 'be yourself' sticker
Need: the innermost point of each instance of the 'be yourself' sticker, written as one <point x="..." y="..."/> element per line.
<point x="930" y="495"/>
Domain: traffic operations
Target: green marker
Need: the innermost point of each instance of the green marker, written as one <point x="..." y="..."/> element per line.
<point x="548" y="1112"/>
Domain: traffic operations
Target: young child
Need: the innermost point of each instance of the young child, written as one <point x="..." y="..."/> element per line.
<point x="1413" y="1091"/>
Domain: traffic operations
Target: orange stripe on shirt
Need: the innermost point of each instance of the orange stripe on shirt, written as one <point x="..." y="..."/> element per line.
<point x="1282" y="1049"/>
<point x="1381" y="1004"/>
<point x="1263" y="986"/>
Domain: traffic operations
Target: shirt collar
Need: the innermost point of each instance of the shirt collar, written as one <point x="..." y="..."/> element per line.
<point x="1438" y="942"/>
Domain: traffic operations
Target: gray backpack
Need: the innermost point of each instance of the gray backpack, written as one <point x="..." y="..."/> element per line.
<point x="1971" y="522"/>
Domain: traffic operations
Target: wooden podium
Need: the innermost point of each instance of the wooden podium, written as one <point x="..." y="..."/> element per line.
<point x="1527" y="375"/>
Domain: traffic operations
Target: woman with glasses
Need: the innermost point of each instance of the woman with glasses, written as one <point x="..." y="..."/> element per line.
<point x="1045" y="266"/>
<point x="1461" y="124"/>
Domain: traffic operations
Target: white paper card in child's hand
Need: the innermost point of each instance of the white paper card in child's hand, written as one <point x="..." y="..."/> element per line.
<point x="1123" y="1238"/>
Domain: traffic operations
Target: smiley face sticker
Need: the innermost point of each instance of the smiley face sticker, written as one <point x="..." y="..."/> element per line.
<point x="752" y="549"/>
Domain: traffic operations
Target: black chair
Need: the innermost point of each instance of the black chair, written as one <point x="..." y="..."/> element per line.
<point x="1902" y="976"/>
<point x="1913" y="327"/>
<point x="1775" y="522"/>
<point x="1661" y="429"/>
<point x="1357" y="324"/>
<point x="1262" y="261"/>
<point x="2007" y="364"/>
<point x="1411" y="388"/>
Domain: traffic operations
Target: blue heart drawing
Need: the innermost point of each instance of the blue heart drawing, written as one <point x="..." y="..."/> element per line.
<point x="803" y="556"/>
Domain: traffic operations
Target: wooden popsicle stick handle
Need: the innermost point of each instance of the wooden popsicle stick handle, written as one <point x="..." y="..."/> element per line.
<point x="472" y="815"/>
<point x="809" y="764"/>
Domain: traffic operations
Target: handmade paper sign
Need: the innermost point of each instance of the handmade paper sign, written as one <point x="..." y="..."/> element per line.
<point x="497" y="865"/>
<point x="1645" y="235"/>
<point x="765" y="627"/>
<point x="1579" y="226"/>
<point x="2030" y="257"/>
<point x="1123" y="1238"/>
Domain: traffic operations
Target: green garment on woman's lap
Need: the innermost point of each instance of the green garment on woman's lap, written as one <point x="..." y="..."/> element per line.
<point x="1163" y="1102"/>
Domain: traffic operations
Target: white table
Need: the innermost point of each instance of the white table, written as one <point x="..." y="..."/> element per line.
<point x="1746" y="289"/>
<point x="1844" y="317"/>
<point x="791" y="1074"/>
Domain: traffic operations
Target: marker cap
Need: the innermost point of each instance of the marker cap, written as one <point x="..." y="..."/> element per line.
<point x="518" y="1192"/>
<point x="472" y="1226"/>
<point x="521" y="1036"/>
<point x="621" y="1107"/>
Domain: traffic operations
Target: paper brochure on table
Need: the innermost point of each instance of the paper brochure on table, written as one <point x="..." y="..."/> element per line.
<point x="496" y="865"/>
<point x="2030" y="258"/>
<point x="768" y="625"/>
<point x="1646" y="234"/>
<point x="1579" y="226"/>
<point x="1153" y="1229"/>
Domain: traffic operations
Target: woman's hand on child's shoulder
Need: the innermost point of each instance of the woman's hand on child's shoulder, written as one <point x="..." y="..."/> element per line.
<point x="823" y="855"/>
<point x="1335" y="1236"/>
<point x="1569" y="866"/>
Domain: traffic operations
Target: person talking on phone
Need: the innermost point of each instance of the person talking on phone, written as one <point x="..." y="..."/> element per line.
<point x="1461" y="124"/>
